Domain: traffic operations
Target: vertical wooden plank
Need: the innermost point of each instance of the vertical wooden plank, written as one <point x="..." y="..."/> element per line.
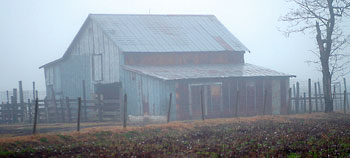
<point x="345" y="88"/>
<point x="297" y="99"/>
<point x="20" y="88"/>
<point x="29" y="112"/>
<point x="169" y="108"/>
<point x="345" y="98"/>
<point x="265" y="101"/>
<point x="320" y="95"/>
<point x="8" y="97"/>
<point x="334" y="96"/>
<point x="55" y="104"/>
<point x="68" y="110"/>
<point x="14" y="106"/>
<point x="35" y="115"/>
<point x="79" y="107"/>
<point x="316" y="97"/>
<point x="100" y="105"/>
<point x="310" y="104"/>
<point x="304" y="104"/>
<point x="34" y="91"/>
<point x="237" y="103"/>
<point x="289" y="101"/>
<point x="202" y="103"/>
<point x="84" y="99"/>
<point x="125" y="110"/>
<point x="62" y="110"/>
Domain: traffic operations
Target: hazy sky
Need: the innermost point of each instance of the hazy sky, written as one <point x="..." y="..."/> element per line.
<point x="35" y="32"/>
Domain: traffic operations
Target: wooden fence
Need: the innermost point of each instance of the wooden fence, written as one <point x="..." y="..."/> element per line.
<point x="61" y="111"/>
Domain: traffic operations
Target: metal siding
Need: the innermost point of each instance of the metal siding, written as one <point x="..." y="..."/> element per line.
<point x="205" y="71"/>
<point x="164" y="33"/>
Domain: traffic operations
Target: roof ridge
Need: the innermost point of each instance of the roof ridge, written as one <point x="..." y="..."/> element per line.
<point x="152" y="14"/>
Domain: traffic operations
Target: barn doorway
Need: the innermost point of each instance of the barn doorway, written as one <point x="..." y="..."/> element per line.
<point x="111" y="98"/>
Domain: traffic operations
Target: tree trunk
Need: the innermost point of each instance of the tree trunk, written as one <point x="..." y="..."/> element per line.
<point x="327" y="89"/>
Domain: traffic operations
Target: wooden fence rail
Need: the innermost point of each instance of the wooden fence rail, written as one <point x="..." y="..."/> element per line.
<point x="60" y="111"/>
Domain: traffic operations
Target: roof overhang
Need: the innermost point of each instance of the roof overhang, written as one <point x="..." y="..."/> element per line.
<point x="185" y="72"/>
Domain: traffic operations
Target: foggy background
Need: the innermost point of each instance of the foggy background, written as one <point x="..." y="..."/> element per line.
<point x="35" y="32"/>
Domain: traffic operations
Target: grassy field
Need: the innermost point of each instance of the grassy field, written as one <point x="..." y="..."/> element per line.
<point x="316" y="135"/>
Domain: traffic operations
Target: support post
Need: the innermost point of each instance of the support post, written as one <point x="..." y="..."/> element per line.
<point x="62" y="110"/>
<point x="289" y="109"/>
<point x="345" y="100"/>
<point x="202" y="106"/>
<point x="84" y="99"/>
<point x="30" y="111"/>
<point x="35" y="114"/>
<point x="8" y="97"/>
<point x="169" y="110"/>
<point x="304" y="104"/>
<point x="316" y="98"/>
<point x="265" y="99"/>
<point x="20" y="88"/>
<point x="345" y="88"/>
<point x="68" y="110"/>
<point x="297" y="99"/>
<point x="79" y="109"/>
<point x="55" y="104"/>
<point x="34" y="91"/>
<point x="125" y="110"/>
<point x="237" y="103"/>
<point x="310" y="104"/>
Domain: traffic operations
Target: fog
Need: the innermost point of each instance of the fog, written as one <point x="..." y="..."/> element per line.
<point x="35" y="32"/>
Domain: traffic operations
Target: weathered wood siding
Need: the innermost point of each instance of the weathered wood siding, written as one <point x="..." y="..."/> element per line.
<point x="183" y="58"/>
<point x="251" y="97"/>
<point x="148" y="95"/>
<point x="78" y="65"/>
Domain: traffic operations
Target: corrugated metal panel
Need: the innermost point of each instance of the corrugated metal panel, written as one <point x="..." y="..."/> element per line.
<point x="204" y="71"/>
<point x="167" y="33"/>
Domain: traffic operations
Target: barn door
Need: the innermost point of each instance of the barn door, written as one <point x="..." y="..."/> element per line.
<point x="111" y="96"/>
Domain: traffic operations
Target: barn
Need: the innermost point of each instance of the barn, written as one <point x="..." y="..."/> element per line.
<point x="149" y="57"/>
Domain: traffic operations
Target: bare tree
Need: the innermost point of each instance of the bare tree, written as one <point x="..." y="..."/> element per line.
<point x="323" y="18"/>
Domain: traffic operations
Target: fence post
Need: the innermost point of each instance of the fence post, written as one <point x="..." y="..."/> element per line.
<point x="202" y="106"/>
<point x="320" y="95"/>
<point x="14" y="106"/>
<point x="345" y="99"/>
<point x="29" y="111"/>
<point x="34" y="91"/>
<point x="297" y="99"/>
<point x="289" y="109"/>
<point x="304" y="104"/>
<point x="169" y="110"/>
<point x="101" y="102"/>
<point x="21" y="101"/>
<point x="265" y="99"/>
<point x="310" y="104"/>
<point x="84" y="99"/>
<point x="237" y="103"/>
<point x="316" y="98"/>
<point x="62" y="110"/>
<point x="79" y="109"/>
<point x="125" y="110"/>
<point x="68" y="108"/>
<point x="55" y="104"/>
<point x="347" y="102"/>
<point x="35" y="114"/>
<point x="334" y="97"/>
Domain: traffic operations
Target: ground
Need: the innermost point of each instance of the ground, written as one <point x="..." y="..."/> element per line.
<point x="315" y="135"/>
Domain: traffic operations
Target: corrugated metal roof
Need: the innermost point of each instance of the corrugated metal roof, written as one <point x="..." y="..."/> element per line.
<point x="167" y="33"/>
<point x="205" y="71"/>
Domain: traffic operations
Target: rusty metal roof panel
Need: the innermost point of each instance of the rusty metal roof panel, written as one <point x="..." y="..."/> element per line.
<point x="167" y="33"/>
<point x="205" y="71"/>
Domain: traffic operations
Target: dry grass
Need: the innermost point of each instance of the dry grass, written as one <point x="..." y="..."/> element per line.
<point x="178" y="125"/>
